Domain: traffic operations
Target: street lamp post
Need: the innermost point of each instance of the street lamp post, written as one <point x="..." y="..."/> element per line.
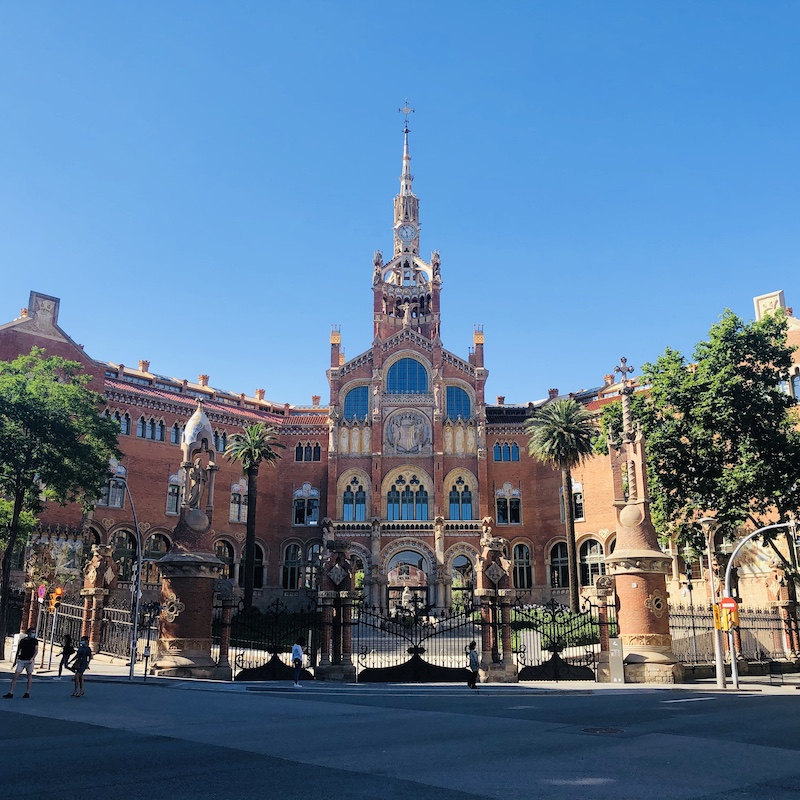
<point x="689" y="588"/>
<point x="709" y="526"/>
<point x="727" y="591"/>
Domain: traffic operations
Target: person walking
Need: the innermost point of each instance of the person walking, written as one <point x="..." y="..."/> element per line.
<point x="297" y="661"/>
<point x="474" y="663"/>
<point x="24" y="659"/>
<point x="67" y="649"/>
<point x="82" y="658"/>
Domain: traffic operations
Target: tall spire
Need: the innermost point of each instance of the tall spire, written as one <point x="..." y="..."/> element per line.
<point x="406" y="204"/>
<point x="406" y="178"/>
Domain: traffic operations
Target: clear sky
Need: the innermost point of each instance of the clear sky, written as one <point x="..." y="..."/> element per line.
<point x="203" y="183"/>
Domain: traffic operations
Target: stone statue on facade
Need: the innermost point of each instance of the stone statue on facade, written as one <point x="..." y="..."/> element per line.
<point x="197" y="481"/>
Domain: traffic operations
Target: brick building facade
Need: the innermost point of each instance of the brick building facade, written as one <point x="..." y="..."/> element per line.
<point x="407" y="461"/>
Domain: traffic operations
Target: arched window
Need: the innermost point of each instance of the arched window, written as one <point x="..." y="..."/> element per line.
<point x="313" y="563"/>
<point x="460" y="500"/>
<point x="123" y="550"/>
<point x="559" y="566"/>
<point x="306" y="506"/>
<point x="307" y="453"/>
<point x="514" y="451"/>
<point x="156" y="546"/>
<point x="577" y="501"/>
<point x="506" y="452"/>
<point x="224" y="552"/>
<point x="161" y="431"/>
<point x="523" y="573"/>
<point x="393" y="504"/>
<point x="258" y="568"/>
<point x="175" y="434"/>
<point x="407" y="376"/>
<point x="591" y="560"/>
<point x="498" y="452"/>
<point x="407" y="502"/>
<point x="291" y="567"/>
<point x="354" y="502"/>
<point x="298" y="453"/>
<point x="356" y="403"/>
<point x="796" y="386"/>
<point x="151" y="429"/>
<point x="141" y="428"/>
<point x="458" y="403"/>
<point x="317" y="452"/>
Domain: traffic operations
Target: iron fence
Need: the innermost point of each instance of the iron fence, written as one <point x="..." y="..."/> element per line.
<point x="762" y="634"/>
<point x="116" y="630"/>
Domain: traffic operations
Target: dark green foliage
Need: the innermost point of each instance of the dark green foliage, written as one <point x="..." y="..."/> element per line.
<point x="54" y="445"/>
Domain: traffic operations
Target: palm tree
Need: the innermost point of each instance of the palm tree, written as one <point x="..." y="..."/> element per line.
<point x="561" y="435"/>
<point x="252" y="446"/>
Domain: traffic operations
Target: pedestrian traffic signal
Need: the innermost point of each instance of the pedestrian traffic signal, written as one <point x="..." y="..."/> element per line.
<point x="55" y="597"/>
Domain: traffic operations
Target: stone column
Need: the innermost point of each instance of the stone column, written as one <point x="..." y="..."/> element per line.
<point x="638" y="565"/>
<point x="495" y="593"/>
<point x="604" y="588"/>
<point x="100" y="579"/>
<point x="187" y="602"/>
<point x="336" y="594"/>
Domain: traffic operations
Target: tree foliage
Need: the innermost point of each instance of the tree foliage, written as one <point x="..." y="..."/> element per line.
<point x="253" y="445"/>
<point x="562" y="434"/>
<point x="721" y="433"/>
<point x="54" y="445"/>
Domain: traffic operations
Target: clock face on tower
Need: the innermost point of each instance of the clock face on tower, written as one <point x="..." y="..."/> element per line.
<point x="406" y="232"/>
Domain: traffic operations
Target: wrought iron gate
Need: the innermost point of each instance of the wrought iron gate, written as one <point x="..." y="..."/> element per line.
<point x="261" y="641"/>
<point x="553" y="643"/>
<point x="413" y="644"/>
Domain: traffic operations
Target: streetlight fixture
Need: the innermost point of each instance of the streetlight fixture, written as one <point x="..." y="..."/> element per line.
<point x="710" y="526"/>
<point x="687" y="555"/>
<point x="727" y="591"/>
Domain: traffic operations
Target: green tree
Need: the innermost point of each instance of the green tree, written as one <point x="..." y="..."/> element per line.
<point x="561" y="434"/>
<point x="721" y="434"/>
<point x="54" y="445"/>
<point x="254" y="445"/>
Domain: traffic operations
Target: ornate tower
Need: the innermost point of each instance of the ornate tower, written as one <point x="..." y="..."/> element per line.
<point x="406" y="288"/>
<point x="638" y="565"/>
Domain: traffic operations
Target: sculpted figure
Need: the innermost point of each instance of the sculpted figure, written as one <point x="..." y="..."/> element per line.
<point x="197" y="479"/>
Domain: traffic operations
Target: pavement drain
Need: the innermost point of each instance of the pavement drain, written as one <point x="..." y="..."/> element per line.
<point x="605" y="731"/>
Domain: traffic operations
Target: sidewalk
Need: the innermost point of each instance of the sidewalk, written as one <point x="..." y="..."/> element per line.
<point x="107" y="669"/>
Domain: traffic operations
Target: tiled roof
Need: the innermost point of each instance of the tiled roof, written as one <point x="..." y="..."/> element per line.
<point x="189" y="403"/>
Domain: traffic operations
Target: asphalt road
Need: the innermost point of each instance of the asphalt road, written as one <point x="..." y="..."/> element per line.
<point x="194" y="740"/>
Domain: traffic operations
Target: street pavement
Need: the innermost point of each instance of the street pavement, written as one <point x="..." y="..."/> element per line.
<point x="170" y="738"/>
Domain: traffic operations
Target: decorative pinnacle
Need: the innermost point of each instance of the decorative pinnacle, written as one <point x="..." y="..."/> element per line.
<point x="624" y="369"/>
<point x="627" y="390"/>
<point x="406" y="110"/>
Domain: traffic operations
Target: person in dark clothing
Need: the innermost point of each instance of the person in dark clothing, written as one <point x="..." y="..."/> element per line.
<point x="24" y="660"/>
<point x="474" y="665"/>
<point x="67" y="649"/>
<point x="82" y="658"/>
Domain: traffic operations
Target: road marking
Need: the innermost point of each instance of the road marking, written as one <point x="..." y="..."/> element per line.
<point x="689" y="700"/>
<point x="520" y="708"/>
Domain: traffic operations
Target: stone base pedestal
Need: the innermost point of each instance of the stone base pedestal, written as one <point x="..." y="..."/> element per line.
<point x="653" y="672"/>
<point x="504" y="672"/>
<point x="341" y="673"/>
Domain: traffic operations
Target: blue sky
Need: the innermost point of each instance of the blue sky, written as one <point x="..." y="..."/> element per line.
<point x="203" y="183"/>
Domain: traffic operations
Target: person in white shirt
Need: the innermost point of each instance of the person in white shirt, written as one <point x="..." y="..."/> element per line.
<point x="297" y="660"/>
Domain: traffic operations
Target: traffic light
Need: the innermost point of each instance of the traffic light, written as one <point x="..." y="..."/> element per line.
<point x="55" y="597"/>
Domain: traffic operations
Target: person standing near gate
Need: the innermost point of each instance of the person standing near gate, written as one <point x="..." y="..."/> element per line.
<point x="82" y="658"/>
<point x="474" y="663"/>
<point x="67" y="649"/>
<point x="297" y="661"/>
<point x="24" y="660"/>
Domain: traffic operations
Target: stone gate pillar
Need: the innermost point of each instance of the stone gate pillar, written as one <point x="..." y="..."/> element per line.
<point x="336" y="597"/>
<point x="187" y="606"/>
<point x="100" y="579"/>
<point x="638" y="565"/>
<point x="495" y="593"/>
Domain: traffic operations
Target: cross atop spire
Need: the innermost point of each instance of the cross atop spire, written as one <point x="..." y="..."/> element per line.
<point x="405" y="111"/>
